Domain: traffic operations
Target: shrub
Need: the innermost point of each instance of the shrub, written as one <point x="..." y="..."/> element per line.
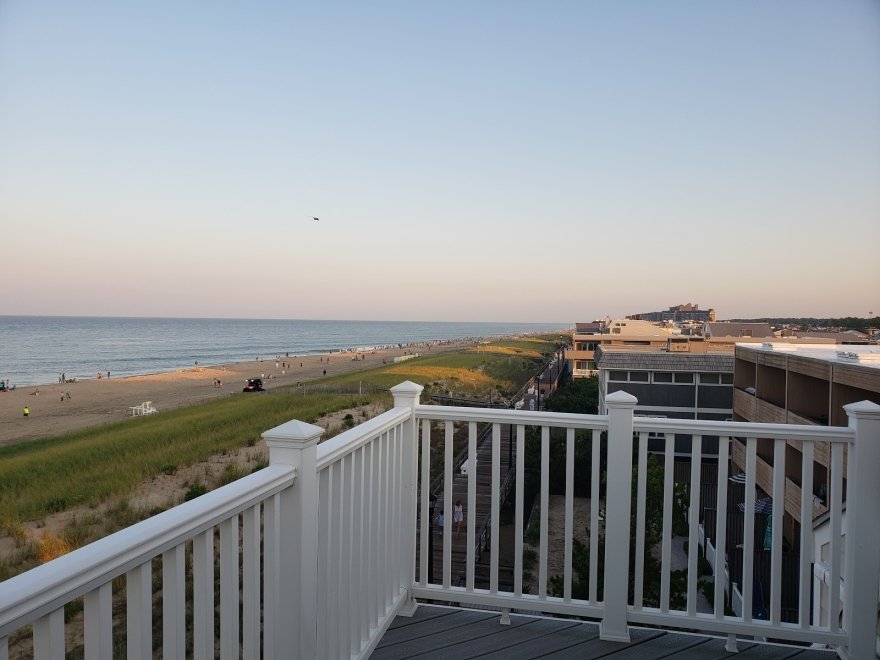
<point x="195" y="490"/>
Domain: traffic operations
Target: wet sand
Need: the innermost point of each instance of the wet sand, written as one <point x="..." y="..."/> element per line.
<point x="93" y="402"/>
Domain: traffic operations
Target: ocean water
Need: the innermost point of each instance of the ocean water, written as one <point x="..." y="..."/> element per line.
<point x="38" y="349"/>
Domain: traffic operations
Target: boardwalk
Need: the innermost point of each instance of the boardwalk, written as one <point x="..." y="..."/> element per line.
<point x="446" y="632"/>
<point x="483" y="505"/>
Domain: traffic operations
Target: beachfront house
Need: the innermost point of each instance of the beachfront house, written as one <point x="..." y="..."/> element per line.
<point x="328" y="551"/>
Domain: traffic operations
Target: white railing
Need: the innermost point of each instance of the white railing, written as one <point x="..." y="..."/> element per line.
<point x="338" y="539"/>
<point x="619" y="443"/>
<point x="38" y="596"/>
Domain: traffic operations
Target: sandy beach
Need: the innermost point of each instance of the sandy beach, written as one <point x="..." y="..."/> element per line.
<point x="93" y="402"/>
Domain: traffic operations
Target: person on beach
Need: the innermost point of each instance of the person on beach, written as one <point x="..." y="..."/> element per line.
<point x="26" y="411"/>
<point x="457" y="516"/>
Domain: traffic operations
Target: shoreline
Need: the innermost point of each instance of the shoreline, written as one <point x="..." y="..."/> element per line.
<point x="58" y="408"/>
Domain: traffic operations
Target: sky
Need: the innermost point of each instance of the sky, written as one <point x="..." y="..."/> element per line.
<point x="551" y="161"/>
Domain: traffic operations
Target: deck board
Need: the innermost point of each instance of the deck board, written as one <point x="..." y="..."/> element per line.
<point x="436" y="631"/>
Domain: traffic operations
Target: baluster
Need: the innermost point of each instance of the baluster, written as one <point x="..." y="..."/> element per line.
<point x="721" y="527"/>
<point x="139" y="612"/>
<point x="325" y="607"/>
<point x="496" y="508"/>
<point x="344" y="583"/>
<point x="641" y="490"/>
<point x="49" y="636"/>
<point x="749" y="530"/>
<point x="693" y="524"/>
<point x="271" y="575"/>
<point x="519" y="515"/>
<point x="427" y="523"/>
<point x="447" y="507"/>
<point x="666" y="543"/>
<point x="472" y="503"/>
<point x="203" y="595"/>
<point x="595" y="479"/>
<point x="250" y="582"/>
<point x="99" y="622"/>
<point x="357" y="534"/>
<point x="569" y="512"/>
<point x="229" y="589"/>
<point x="836" y="496"/>
<point x="776" y="531"/>
<point x="173" y="603"/>
<point x="545" y="510"/>
<point x="806" y="554"/>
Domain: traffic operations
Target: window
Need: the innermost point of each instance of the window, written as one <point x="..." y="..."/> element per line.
<point x="662" y="377"/>
<point x="618" y="375"/>
<point x="727" y="379"/>
<point x="684" y="378"/>
<point x="638" y="376"/>
<point x="710" y="379"/>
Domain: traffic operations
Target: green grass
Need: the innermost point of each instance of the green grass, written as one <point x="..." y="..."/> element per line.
<point x="503" y="365"/>
<point x="90" y="466"/>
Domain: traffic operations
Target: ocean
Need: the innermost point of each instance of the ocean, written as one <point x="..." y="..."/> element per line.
<point x="36" y="350"/>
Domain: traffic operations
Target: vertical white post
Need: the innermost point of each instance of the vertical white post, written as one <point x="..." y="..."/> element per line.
<point x="618" y="503"/>
<point x="862" y="530"/>
<point x="406" y="395"/>
<point x="296" y="443"/>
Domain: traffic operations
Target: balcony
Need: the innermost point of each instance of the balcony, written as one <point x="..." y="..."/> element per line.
<point x="327" y="552"/>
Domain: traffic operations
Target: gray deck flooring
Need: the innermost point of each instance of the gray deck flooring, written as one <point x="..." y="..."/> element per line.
<point x="447" y="632"/>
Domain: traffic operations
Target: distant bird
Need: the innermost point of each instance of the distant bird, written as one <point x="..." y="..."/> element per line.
<point x="314" y="218"/>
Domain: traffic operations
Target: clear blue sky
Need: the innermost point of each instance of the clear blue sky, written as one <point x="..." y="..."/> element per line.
<point x="520" y="161"/>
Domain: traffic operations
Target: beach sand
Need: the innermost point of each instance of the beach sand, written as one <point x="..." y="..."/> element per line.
<point x="93" y="402"/>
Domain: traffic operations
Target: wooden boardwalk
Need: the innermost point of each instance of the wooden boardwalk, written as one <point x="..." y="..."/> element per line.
<point x="483" y="506"/>
<point x="447" y="632"/>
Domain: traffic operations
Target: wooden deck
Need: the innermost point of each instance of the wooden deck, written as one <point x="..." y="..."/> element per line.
<point x="448" y="632"/>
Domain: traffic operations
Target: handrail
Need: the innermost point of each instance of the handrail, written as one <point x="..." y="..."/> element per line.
<point x="28" y="596"/>
<point x="524" y="417"/>
<point x="744" y="429"/>
<point x="353" y="439"/>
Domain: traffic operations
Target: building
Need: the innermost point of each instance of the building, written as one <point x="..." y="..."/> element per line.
<point x="730" y="329"/>
<point x="625" y="332"/>
<point x="805" y="384"/>
<point x="639" y="335"/>
<point x="678" y="314"/>
<point x="668" y="383"/>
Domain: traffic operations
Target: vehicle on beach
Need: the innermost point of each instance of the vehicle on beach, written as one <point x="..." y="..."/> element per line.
<point x="253" y="385"/>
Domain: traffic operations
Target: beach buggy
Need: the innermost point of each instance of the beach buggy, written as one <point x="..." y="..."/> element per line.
<point x="253" y="385"/>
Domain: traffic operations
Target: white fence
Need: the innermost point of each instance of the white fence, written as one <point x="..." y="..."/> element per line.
<point x="336" y="528"/>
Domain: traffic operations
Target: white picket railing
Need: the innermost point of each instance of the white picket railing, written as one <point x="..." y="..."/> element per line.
<point x="336" y="527"/>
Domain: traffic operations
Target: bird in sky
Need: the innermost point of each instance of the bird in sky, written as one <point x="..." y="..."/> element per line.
<point x="314" y="218"/>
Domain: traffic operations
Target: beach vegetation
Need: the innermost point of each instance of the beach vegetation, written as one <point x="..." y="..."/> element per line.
<point x="95" y="465"/>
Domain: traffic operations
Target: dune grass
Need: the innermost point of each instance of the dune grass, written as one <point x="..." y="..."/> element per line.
<point x="92" y="465"/>
<point x="502" y="366"/>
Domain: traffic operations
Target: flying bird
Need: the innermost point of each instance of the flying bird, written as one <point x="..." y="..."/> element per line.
<point x="314" y="218"/>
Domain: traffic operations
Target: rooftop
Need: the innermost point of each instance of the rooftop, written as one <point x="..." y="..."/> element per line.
<point x="863" y="356"/>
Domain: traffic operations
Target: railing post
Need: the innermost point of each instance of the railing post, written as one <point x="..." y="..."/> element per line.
<point x="296" y="597"/>
<point x="618" y="495"/>
<point x="406" y="395"/>
<point x="862" y="531"/>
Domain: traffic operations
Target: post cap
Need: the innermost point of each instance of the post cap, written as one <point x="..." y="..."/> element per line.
<point x="295" y="433"/>
<point x="863" y="409"/>
<point x="620" y="399"/>
<point x="406" y="393"/>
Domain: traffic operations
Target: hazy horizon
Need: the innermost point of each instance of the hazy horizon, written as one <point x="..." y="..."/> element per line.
<point x="476" y="162"/>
